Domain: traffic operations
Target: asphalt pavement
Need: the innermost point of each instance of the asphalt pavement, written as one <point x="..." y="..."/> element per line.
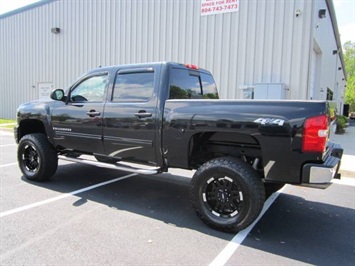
<point x="93" y="216"/>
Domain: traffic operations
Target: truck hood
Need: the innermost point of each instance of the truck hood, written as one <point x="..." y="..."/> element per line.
<point x="38" y="109"/>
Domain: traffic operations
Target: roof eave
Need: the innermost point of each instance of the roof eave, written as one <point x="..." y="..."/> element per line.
<point x="333" y="18"/>
<point x="26" y="8"/>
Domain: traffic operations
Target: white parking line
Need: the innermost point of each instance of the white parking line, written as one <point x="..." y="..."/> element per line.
<point x="66" y="195"/>
<point x="6" y="165"/>
<point x="234" y="244"/>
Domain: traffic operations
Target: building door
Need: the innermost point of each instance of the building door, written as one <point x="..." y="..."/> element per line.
<point x="313" y="75"/>
<point x="315" y="92"/>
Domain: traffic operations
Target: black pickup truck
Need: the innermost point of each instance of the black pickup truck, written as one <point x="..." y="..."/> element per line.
<point x="167" y="115"/>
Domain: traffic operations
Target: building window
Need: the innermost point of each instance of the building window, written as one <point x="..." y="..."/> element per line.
<point x="329" y="94"/>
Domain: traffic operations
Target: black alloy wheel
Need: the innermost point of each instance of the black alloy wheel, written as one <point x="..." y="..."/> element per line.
<point x="223" y="197"/>
<point x="30" y="158"/>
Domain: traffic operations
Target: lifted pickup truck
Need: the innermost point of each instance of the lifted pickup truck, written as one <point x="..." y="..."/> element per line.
<point x="163" y="115"/>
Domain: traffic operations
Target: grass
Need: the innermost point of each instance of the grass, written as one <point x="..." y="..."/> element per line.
<point x="7" y="121"/>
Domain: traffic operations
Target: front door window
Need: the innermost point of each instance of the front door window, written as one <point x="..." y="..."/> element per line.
<point x="90" y="90"/>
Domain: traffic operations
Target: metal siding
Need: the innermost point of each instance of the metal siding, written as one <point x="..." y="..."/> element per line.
<point x="287" y="41"/>
<point x="269" y="36"/>
<point x="329" y="62"/>
<point x="231" y="90"/>
<point x="278" y="43"/>
<point x="259" y="41"/>
<point x="242" y="48"/>
<point x="304" y="58"/>
<point x="251" y="43"/>
<point x="262" y="42"/>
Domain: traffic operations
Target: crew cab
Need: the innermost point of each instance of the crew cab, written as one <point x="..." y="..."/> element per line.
<point x="169" y="115"/>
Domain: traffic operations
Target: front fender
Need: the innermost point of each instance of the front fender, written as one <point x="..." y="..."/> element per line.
<point x="34" y="117"/>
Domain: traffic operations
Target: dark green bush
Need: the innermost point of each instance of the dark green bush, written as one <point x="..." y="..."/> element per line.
<point x="341" y="124"/>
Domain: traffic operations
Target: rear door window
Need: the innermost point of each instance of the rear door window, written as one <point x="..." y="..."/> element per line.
<point x="133" y="87"/>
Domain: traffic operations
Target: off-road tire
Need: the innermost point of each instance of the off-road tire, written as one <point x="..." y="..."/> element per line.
<point x="36" y="157"/>
<point x="227" y="194"/>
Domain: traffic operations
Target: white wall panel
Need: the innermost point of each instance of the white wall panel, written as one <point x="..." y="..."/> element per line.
<point x="264" y="42"/>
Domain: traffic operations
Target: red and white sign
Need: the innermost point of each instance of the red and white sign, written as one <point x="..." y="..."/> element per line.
<point x="211" y="7"/>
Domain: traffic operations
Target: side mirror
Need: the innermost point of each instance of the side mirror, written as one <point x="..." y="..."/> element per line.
<point x="57" y="95"/>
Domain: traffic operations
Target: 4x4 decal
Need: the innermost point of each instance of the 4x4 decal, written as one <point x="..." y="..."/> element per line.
<point x="270" y="121"/>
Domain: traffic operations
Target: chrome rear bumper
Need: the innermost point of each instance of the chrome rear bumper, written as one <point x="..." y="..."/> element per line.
<point x="323" y="173"/>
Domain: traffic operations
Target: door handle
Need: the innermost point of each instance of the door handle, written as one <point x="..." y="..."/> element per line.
<point x="93" y="113"/>
<point x="143" y="114"/>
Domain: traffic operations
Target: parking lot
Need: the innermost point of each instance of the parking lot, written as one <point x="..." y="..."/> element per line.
<point x="92" y="216"/>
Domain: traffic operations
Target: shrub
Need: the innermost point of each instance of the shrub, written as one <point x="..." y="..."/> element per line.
<point x="341" y="124"/>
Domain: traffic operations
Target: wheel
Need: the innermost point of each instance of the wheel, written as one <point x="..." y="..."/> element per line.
<point x="104" y="159"/>
<point x="227" y="194"/>
<point x="37" y="158"/>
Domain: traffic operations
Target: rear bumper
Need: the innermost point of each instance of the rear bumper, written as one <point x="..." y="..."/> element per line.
<point x="314" y="173"/>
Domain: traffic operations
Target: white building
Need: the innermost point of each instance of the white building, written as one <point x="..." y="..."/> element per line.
<point x="285" y="49"/>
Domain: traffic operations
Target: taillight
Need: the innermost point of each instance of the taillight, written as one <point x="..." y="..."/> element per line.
<point x="191" y="66"/>
<point x="315" y="134"/>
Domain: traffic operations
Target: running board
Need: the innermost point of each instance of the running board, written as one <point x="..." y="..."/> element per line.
<point x="147" y="171"/>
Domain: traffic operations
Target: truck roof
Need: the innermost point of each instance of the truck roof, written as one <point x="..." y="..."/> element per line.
<point x="152" y="64"/>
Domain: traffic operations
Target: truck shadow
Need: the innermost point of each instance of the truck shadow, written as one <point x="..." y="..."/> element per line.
<point x="163" y="197"/>
<point x="293" y="227"/>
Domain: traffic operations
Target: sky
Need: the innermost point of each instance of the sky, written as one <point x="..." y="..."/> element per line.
<point x="345" y="13"/>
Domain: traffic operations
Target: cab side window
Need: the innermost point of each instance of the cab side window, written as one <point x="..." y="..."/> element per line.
<point x="185" y="84"/>
<point x="133" y="87"/>
<point x="91" y="89"/>
<point x="209" y="87"/>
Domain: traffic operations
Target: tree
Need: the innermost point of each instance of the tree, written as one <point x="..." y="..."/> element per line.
<point x="349" y="58"/>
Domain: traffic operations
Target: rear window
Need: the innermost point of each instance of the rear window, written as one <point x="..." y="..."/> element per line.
<point x="188" y="84"/>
